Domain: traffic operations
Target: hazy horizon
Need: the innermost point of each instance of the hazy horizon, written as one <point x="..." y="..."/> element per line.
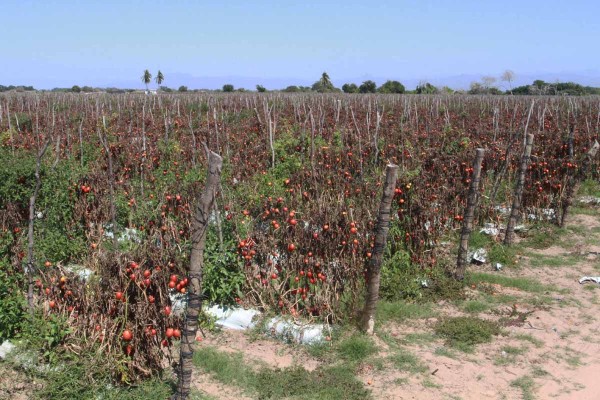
<point x="201" y="44"/>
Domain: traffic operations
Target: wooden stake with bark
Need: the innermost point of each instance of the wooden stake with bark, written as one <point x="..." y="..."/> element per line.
<point x="32" y="215"/>
<point x="367" y="323"/>
<point x="467" y="226"/>
<point x="516" y="205"/>
<point x="199" y="227"/>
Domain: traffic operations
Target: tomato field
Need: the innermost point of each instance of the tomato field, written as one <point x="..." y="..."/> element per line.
<point x="292" y="230"/>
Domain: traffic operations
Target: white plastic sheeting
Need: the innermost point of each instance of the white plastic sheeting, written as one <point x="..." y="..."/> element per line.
<point x="479" y="256"/>
<point x="290" y="331"/>
<point x="5" y="349"/>
<point x="237" y="319"/>
<point x="295" y="332"/>
<point x="490" y="229"/>
<point x="595" y="279"/>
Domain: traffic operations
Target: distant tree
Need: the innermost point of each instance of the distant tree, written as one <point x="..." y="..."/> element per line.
<point x="426" y="88"/>
<point x="488" y="81"/>
<point x="508" y="76"/>
<point x="75" y="89"/>
<point x="260" y="89"/>
<point x="182" y="88"/>
<point x="368" y="87"/>
<point x="87" y="89"/>
<point x="291" y="89"/>
<point x="392" y="87"/>
<point x="324" y="84"/>
<point x="165" y="89"/>
<point x="147" y="78"/>
<point x="350" y="88"/>
<point x="160" y="78"/>
<point x="228" y="88"/>
<point x="521" y="90"/>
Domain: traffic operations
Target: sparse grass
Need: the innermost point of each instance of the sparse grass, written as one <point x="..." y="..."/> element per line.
<point x="583" y="210"/>
<point x="543" y="235"/>
<point x="526" y="385"/>
<point x="446" y="352"/>
<point x="505" y="255"/>
<point x="538" y="371"/>
<point x="528" y="338"/>
<point x="589" y="187"/>
<point x="430" y="384"/>
<point x="418" y="338"/>
<point x="464" y="333"/>
<point x="400" y="311"/>
<point x="577" y="230"/>
<point x="404" y="360"/>
<point x="525" y="284"/>
<point x="478" y="240"/>
<point x="475" y="306"/>
<point x="509" y="355"/>
<point x="334" y="382"/>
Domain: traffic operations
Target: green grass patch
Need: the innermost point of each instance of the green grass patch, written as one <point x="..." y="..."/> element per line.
<point x="418" y="338"/>
<point x="583" y="210"/>
<point x="589" y="187"/>
<point x="356" y="347"/>
<point x="543" y="235"/>
<point x="526" y="385"/>
<point x="325" y="383"/>
<point x="404" y="360"/>
<point x="399" y="311"/>
<point x="528" y="338"/>
<point x="475" y="306"/>
<point x="464" y="333"/>
<point x="505" y="255"/>
<point x="524" y="284"/>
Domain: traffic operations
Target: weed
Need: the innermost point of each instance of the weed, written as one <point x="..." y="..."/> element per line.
<point x="418" y="338"/>
<point x="428" y="383"/>
<point x="336" y="382"/>
<point x="445" y="352"/>
<point x="464" y="333"/>
<point x="525" y="284"/>
<point x="528" y="338"/>
<point x="589" y="187"/>
<point x="475" y="306"/>
<point x="400" y="311"/>
<point x="356" y="347"/>
<point x="404" y="360"/>
<point x="509" y="355"/>
<point x="526" y="385"/>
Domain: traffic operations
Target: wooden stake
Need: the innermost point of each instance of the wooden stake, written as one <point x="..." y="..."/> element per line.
<point x="516" y="205"/>
<point x="381" y="231"/>
<point x="467" y="227"/>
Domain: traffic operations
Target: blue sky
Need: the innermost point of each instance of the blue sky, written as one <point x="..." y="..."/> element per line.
<point x="51" y="43"/>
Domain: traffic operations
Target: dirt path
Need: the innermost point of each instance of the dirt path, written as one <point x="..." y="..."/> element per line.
<point x="550" y="348"/>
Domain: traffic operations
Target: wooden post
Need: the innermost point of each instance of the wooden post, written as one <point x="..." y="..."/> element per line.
<point x="467" y="227"/>
<point x="32" y="215"/>
<point x="367" y="323"/>
<point x="199" y="227"/>
<point x="574" y="178"/>
<point x="516" y="205"/>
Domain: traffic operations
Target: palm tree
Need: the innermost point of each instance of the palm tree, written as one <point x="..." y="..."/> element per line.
<point x="147" y="78"/>
<point x="325" y="81"/>
<point x="159" y="78"/>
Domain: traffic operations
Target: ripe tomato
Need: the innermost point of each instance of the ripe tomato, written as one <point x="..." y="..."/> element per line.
<point x="127" y="335"/>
